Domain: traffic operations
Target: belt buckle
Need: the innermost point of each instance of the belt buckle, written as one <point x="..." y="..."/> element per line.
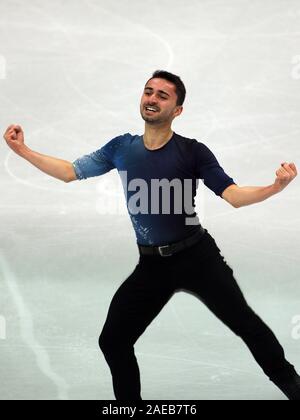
<point x="161" y="252"/>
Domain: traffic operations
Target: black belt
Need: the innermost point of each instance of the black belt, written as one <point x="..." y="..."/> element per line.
<point x="168" y="250"/>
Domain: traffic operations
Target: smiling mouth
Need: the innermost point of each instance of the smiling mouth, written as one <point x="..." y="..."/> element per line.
<point x="151" y="109"/>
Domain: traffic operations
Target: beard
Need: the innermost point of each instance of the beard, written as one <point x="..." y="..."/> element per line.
<point x="153" y="119"/>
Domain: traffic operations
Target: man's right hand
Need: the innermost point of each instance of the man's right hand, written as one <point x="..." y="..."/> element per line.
<point x="14" y="137"/>
<point x="58" y="168"/>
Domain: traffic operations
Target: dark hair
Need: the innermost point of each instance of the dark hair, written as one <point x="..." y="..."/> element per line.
<point x="170" y="77"/>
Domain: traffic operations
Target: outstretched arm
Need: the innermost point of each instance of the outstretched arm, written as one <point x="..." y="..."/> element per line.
<point x="58" y="168"/>
<point x="244" y="196"/>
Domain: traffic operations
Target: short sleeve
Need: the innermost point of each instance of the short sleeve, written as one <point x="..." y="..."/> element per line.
<point x="98" y="162"/>
<point x="209" y="170"/>
<point x="93" y="164"/>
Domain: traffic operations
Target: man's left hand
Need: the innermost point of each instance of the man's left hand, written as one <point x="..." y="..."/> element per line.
<point x="284" y="175"/>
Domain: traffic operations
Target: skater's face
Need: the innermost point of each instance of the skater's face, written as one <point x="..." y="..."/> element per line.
<point x="158" y="102"/>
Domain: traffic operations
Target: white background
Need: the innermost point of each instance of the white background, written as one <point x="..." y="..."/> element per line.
<point x="71" y="73"/>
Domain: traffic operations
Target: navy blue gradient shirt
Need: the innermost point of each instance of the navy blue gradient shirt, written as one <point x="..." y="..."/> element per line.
<point x="159" y="214"/>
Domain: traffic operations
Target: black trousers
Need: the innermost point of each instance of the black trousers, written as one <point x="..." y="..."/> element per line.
<point x="201" y="270"/>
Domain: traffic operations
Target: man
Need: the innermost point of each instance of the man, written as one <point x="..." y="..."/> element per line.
<point x="175" y="251"/>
